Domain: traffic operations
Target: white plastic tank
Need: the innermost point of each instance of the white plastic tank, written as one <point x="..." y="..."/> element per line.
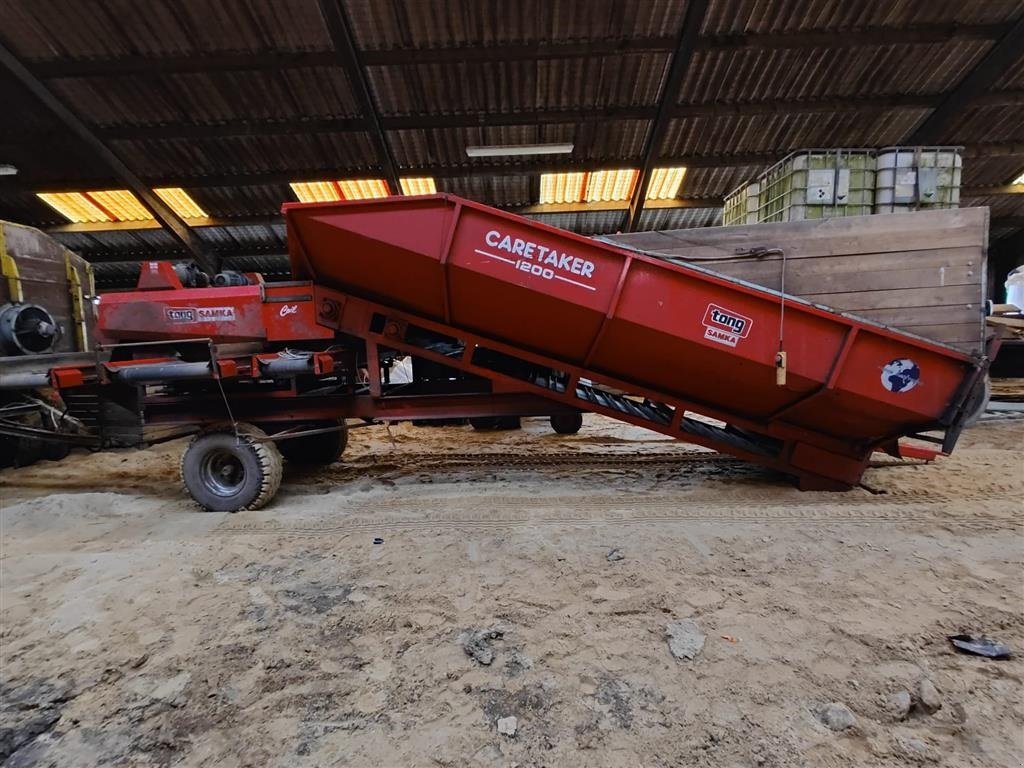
<point x="917" y="178"/>
<point x="1015" y="288"/>
<point x="741" y="205"/>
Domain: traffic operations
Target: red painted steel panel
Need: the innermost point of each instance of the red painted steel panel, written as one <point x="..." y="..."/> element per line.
<point x="231" y="314"/>
<point x="387" y="249"/>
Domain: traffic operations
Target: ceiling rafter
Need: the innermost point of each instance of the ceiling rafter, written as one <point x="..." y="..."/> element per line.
<point x="233" y="61"/>
<point x="689" y="29"/>
<point x="340" y="31"/>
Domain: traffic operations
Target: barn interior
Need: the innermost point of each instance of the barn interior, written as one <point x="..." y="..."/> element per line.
<point x="451" y="595"/>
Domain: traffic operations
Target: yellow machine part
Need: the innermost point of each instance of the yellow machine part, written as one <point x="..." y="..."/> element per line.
<point x="79" y="297"/>
<point x="9" y="269"/>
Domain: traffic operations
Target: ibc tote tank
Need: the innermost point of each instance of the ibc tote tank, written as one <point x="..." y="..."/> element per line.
<point x="917" y="178"/>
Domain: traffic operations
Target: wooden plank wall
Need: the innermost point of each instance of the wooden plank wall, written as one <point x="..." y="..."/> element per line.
<point x="922" y="272"/>
<point x="44" y="280"/>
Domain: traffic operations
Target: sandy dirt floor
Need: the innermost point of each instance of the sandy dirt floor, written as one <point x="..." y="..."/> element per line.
<point x="138" y="631"/>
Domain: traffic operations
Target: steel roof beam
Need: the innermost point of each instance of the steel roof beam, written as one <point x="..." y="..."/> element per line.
<point x="693" y="19"/>
<point x="1007" y="50"/>
<point x="855" y="38"/>
<point x="348" y="57"/>
<point x="229" y="62"/>
<point x="160" y="210"/>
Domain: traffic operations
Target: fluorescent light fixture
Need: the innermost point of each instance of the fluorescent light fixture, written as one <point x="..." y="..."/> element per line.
<point x="6" y="169"/>
<point x="418" y="186"/>
<point x="665" y="183"/>
<point x="510" y="150"/>
<point x="179" y="201"/>
<point x="562" y="187"/>
<point x="609" y="186"/>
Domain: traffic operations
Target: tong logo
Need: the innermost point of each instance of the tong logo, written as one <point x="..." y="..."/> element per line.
<point x="199" y="314"/>
<point x="180" y="314"/>
<point x="725" y="326"/>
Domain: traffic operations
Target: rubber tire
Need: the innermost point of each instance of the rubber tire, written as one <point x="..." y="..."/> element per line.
<point x="494" y="423"/>
<point x="315" y="450"/>
<point x="261" y="463"/>
<point x="567" y="423"/>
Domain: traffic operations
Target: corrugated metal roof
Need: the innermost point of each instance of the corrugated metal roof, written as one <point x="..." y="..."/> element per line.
<point x="680" y="218"/>
<point x="500" y="191"/>
<point x="594" y="142"/>
<point x="585" y="222"/>
<point x="999" y="205"/>
<point x="234" y="239"/>
<point x="506" y="86"/>
<point x="1012" y="78"/>
<point x="743" y="16"/>
<point x="991" y="171"/>
<point x="53" y="29"/>
<point x="988" y="124"/>
<point x="782" y="133"/>
<point x="458" y="23"/>
<point x="209" y="97"/>
<point x="717" y="182"/>
<point x="803" y="74"/>
<point x="226" y="202"/>
<point x="209" y="70"/>
<point x="448" y="146"/>
<point x="139" y="244"/>
<point x="273" y="265"/>
<point x="240" y="155"/>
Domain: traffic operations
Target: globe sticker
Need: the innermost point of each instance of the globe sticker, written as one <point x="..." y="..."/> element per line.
<point x="901" y="375"/>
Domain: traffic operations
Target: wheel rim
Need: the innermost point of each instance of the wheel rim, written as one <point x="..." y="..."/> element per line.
<point x="223" y="473"/>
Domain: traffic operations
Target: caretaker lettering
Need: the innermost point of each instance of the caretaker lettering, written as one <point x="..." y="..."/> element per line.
<point x="540" y="260"/>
